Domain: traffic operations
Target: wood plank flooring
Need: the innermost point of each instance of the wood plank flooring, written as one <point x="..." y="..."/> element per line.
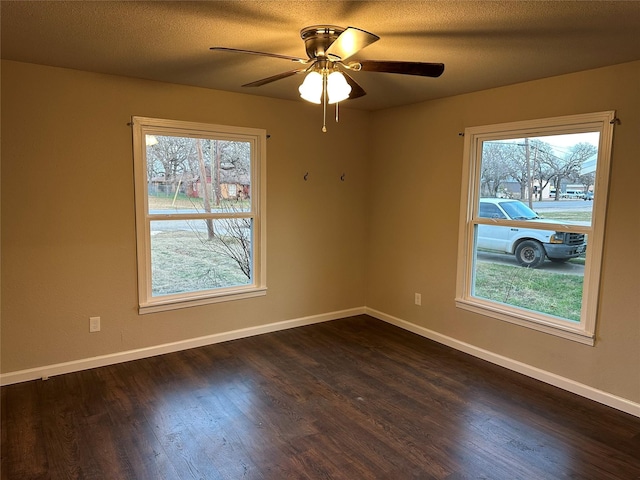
<point x="349" y="399"/>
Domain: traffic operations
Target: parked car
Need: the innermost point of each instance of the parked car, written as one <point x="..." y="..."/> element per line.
<point x="588" y="196"/>
<point x="572" y="194"/>
<point x="529" y="245"/>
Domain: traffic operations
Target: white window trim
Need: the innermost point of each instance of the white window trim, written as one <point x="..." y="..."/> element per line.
<point x="584" y="331"/>
<point x="143" y="126"/>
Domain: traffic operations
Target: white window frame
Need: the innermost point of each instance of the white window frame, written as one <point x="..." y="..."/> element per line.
<point x="583" y="331"/>
<point x="143" y="126"/>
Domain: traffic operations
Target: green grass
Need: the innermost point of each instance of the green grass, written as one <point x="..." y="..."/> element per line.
<point x="188" y="262"/>
<point x="181" y="201"/>
<point x="569" y="216"/>
<point x="554" y="294"/>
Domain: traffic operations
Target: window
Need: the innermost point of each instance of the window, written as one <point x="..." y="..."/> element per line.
<point x="489" y="210"/>
<point x="200" y="223"/>
<point x="532" y="222"/>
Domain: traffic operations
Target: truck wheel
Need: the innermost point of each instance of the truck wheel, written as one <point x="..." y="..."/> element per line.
<point x="530" y="254"/>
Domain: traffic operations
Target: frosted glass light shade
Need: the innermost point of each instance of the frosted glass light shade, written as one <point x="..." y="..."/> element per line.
<point x="311" y="88"/>
<point x="337" y="87"/>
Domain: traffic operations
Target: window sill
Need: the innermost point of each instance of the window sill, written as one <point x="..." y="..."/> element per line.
<point x="175" y="304"/>
<point x="523" y="320"/>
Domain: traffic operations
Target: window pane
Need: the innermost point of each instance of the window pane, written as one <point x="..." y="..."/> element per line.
<point x="553" y="284"/>
<point x="530" y="246"/>
<point x="554" y="174"/>
<point x="193" y="175"/>
<point x="196" y="255"/>
<point x="200" y="227"/>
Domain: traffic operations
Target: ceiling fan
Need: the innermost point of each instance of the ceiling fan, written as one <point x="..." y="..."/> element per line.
<point x="330" y="50"/>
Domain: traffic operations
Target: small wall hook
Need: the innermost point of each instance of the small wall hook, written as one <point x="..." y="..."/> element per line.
<point x="342" y="177"/>
<point x="306" y="176"/>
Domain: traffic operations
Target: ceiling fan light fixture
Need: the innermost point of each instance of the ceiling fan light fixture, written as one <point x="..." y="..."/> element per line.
<point x="311" y="88"/>
<point x="330" y="50"/>
<point x="337" y="87"/>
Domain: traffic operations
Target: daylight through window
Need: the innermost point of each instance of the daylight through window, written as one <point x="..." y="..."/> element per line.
<point x="199" y="202"/>
<point x="532" y="222"/>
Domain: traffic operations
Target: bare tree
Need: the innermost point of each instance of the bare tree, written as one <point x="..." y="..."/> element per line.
<point x="232" y="163"/>
<point x="587" y="180"/>
<point x="170" y="159"/>
<point x="235" y="242"/>
<point x="205" y="188"/>
<point x="567" y="167"/>
<point x="540" y="170"/>
<point x="517" y="166"/>
<point x="494" y="169"/>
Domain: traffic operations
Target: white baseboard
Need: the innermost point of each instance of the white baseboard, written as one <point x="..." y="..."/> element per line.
<point x="586" y="391"/>
<point x="112" y="359"/>
<point x="572" y="386"/>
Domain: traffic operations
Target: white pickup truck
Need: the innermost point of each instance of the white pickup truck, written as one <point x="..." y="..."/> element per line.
<point x="529" y="245"/>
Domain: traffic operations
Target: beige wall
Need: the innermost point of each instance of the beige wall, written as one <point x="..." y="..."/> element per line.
<point x="413" y="223"/>
<point x="68" y="226"/>
<point x="389" y="230"/>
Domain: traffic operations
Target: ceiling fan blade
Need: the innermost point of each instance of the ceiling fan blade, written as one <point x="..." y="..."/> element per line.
<point x="263" y="54"/>
<point x="351" y="41"/>
<point x="280" y="76"/>
<point x="405" y="68"/>
<point x="356" y="90"/>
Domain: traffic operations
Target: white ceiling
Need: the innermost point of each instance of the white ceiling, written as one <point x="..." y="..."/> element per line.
<point x="483" y="44"/>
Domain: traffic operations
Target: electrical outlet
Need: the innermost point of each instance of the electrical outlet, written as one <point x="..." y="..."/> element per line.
<point x="94" y="324"/>
<point x="418" y="299"/>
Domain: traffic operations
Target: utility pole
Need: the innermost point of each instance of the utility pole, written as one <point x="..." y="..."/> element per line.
<point x="535" y="169"/>
<point x="529" y="183"/>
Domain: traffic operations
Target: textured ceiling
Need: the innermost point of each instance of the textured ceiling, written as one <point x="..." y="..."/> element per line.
<point x="483" y="44"/>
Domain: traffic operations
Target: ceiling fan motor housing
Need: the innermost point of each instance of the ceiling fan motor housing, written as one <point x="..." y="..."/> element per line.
<point x="318" y="38"/>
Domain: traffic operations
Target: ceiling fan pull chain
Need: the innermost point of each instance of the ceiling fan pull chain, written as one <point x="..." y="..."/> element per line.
<point x="324" y="119"/>
<point x="324" y="102"/>
<point x="337" y="103"/>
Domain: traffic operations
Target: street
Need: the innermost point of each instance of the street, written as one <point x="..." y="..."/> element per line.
<point x="571" y="205"/>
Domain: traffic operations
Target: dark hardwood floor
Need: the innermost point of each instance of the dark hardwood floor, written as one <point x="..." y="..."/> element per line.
<point x="349" y="399"/>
